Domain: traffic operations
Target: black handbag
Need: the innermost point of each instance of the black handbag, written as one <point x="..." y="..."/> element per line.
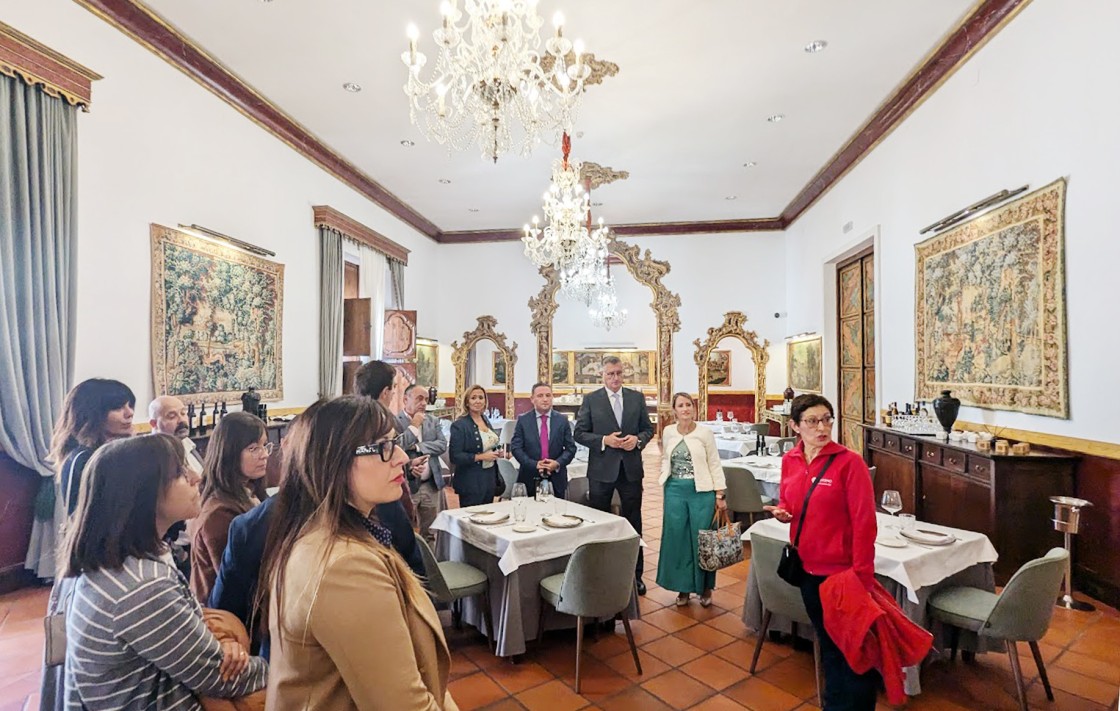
<point x="790" y="568"/>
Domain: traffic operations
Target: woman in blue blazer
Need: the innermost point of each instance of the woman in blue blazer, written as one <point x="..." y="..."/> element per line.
<point x="473" y="451"/>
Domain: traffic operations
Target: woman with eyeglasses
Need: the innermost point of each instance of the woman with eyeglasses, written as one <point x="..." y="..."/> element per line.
<point x="837" y="533"/>
<point x="349" y="623"/>
<point x="232" y="483"/>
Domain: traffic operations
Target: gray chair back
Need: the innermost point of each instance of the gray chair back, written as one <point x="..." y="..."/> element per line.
<point x="778" y="596"/>
<point x="1024" y="608"/>
<point x="743" y="493"/>
<point x="761" y="428"/>
<point x="509" y="476"/>
<point x="436" y="584"/>
<point x="506" y="435"/>
<point x="599" y="579"/>
<point x="871" y="471"/>
<point x="578" y="490"/>
<point x="787" y="443"/>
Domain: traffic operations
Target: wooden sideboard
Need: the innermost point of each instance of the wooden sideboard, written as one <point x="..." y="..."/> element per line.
<point x="954" y="484"/>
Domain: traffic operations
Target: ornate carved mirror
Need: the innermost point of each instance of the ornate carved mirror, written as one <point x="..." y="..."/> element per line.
<point x="459" y="353"/>
<point x="646" y="270"/>
<point x="732" y="327"/>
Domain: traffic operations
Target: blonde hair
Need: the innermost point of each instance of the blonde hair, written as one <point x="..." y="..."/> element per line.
<point x="466" y="408"/>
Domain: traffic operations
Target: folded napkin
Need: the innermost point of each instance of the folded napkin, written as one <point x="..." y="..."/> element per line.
<point x="489" y="517"/>
<point x="932" y="538"/>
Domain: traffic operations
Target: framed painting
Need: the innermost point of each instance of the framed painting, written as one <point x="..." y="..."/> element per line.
<point x="217" y="320"/>
<point x="719" y="368"/>
<point x="561" y="368"/>
<point x="498" y="368"/>
<point x="427" y="363"/>
<point x="991" y="308"/>
<point x="638" y="367"/>
<point x="803" y="364"/>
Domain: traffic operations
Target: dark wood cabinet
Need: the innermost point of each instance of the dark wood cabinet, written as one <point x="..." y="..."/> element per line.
<point x="954" y="484"/>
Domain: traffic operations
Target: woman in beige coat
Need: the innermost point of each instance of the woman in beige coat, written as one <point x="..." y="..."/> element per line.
<point x="350" y="625"/>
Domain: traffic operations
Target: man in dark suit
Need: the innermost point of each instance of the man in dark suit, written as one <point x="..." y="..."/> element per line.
<point x="614" y="426"/>
<point x="542" y="444"/>
<point x="423" y="439"/>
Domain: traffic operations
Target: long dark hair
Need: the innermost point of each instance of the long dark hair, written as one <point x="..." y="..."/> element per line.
<point x="82" y="423"/>
<point x="316" y="487"/>
<point x="118" y="502"/>
<point x="222" y="474"/>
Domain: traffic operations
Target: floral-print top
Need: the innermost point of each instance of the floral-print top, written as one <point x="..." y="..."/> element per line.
<point x="680" y="462"/>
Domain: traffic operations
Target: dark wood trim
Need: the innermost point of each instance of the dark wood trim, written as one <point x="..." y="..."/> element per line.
<point x="987" y="19"/>
<point x="150" y="30"/>
<point x="147" y="28"/>
<point x="59" y="76"/>
<point x="327" y="216"/>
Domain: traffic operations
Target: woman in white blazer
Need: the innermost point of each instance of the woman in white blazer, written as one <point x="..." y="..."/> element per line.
<point x="692" y="477"/>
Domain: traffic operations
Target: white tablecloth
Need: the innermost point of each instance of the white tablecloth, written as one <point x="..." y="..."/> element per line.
<point x="767" y="472"/>
<point x="514" y="550"/>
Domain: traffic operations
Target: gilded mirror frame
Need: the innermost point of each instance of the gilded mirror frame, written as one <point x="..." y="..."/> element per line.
<point x="732" y="327"/>
<point x="485" y="331"/>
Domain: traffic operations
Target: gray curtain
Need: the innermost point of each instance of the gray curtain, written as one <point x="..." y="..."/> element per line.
<point x="396" y="273"/>
<point x="38" y="280"/>
<point x="330" y="313"/>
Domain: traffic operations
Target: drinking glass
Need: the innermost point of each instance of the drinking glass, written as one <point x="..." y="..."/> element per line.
<point x="519" y="492"/>
<point x="544" y="490"/>
<point x="892" y="502"/>
<point x="907" y="521"/>
<point x="520" y="507"/>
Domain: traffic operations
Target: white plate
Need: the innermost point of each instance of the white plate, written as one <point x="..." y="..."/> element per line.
<point x="489" y="519"/>
<point x="565" y="521"/>
<point x="891" y="542"/>
<point x="524" y="528"/>
<point x="929" y="538"/>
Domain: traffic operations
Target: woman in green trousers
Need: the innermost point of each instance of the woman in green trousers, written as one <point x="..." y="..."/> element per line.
<point x="692" y="477"/>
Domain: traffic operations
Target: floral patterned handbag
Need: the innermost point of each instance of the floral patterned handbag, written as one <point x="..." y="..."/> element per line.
<point x="721" y="546"/>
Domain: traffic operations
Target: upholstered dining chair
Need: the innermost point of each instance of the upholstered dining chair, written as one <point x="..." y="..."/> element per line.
<point x="597" y="582"/>
<point x="509" y="476"/>
<point x="449" y="582"/>
<point x="778" y="597"/>
<point x="578" y="492"/>
<point x="786" y="443"/>
<point x="744" y="495"/>
<point x="506" y="435"/>
<point x="1020" y="613"/>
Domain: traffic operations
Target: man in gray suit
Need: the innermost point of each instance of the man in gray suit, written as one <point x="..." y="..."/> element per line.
<point x="614" y="425"/>
<point x="423" y="439"/>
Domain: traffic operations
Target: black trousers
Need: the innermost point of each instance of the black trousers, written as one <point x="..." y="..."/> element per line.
<point x="630" y="502"/>
<point x="844" y="690"/>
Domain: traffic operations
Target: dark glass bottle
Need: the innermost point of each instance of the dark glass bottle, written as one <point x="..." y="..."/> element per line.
<point x="202" y="419"/>
<point x="224" y="411"/>
<point x="190" y="420"/>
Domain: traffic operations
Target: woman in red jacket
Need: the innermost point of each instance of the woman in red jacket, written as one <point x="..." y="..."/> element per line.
<point x="838" y="533"/>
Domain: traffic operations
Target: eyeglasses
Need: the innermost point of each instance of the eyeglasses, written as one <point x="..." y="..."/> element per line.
<point x="385" y="449"/>
<point x="258" y="450"/>
<point x="813" y="422"/>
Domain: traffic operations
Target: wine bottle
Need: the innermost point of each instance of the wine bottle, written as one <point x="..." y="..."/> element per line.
<point x="190" y="420"/>
<point x="202" y="419"/>
<point x="224" y="411"/>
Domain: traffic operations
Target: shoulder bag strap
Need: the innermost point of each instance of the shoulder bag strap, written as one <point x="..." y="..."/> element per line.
<point x="805" y="505"/>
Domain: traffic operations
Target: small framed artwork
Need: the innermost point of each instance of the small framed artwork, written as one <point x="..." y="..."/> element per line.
<point x="561" y="368"/>
<point x="427" y="363"/>
<point x="719" y="368"/>
<point x="499" y="369"/>
<point x="803" y="364"/>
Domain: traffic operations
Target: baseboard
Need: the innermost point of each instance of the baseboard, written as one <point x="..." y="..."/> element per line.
<point x="1096" y="587"/>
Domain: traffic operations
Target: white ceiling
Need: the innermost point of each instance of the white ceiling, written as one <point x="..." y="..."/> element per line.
<point x="687" y="109"/>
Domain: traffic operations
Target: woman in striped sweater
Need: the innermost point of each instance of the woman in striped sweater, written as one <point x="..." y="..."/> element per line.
<point x="135" y="634"/>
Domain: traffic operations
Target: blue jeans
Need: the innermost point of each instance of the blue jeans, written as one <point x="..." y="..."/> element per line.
<point x="844" y="690"/>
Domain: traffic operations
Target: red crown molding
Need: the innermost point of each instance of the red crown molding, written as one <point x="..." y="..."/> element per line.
<point x="140" y="23"/>
<point x="147" y="28"/>
<point x="60" y="77"/>
<point x="327" y="216"/>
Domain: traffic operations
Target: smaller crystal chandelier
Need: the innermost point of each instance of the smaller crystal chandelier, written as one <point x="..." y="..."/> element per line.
<point x="605" y="313"/>
<point x="566" y="204"/>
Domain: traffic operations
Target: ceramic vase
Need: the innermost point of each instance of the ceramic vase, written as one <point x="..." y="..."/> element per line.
<point x="946" y="408"/>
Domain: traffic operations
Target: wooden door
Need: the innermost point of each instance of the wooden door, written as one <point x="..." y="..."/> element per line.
<point x="855" y="304"/>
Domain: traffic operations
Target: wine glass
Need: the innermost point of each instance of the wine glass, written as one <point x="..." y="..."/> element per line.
<point x="520" y="497"/>
<point x="892" y="502"/>
<point x="544" y="491"/>
<point x="774" y="449"/>
<point x="519" y="491"/>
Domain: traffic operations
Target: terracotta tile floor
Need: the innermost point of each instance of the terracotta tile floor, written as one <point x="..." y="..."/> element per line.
<point x="692" y="658"/>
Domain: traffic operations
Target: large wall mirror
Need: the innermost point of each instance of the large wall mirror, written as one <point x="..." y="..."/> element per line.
<point x="485" y="359"/>
<point x="712" y="369"/>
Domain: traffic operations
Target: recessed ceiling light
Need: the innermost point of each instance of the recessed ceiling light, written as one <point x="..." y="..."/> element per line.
<point x="352" y="87"/>
<point x="596" y="204"/>
<point x="775" y="118"/>
<point x="579" y="134"/>
<point x="816" y="46"/>
<point x="472" y="209"/>
<point x="750" y="164"/>
<point x="732" y="197"/>
<point x="407" y="143"/>
<point x="444" y="181"/>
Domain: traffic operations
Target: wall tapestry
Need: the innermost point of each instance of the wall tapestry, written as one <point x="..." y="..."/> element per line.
<point x="217" y="319"/>
<point x="991" y="309"/>
<point x="803" y="364"/>
<point x="427" y="363"/>
<point x="719" y="368"/>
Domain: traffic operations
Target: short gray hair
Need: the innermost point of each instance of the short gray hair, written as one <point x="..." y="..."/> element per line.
<point x="611" y="360"/>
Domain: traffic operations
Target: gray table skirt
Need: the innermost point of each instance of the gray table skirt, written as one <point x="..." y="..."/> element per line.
<point x="977" y="576"/>
<point x="515" y="599"/>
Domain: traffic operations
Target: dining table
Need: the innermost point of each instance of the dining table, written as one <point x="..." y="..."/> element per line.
<point x="515" y="562"/>
<point x="767" y="471"/>
<point x="909" y="570"/>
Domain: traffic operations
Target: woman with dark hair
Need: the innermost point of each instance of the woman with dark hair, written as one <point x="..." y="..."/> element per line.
<point x="134" y="634"/>
<point x="692" y="476"/>
<point x="329" y="562"/>
<point x="473" y="450"/>
<point x="96" y="411"/>
<point x="837" y="534"/>
<point x="232" y="480"/>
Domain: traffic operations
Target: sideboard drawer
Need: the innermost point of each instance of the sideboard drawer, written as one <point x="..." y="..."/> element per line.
<point x="979" y="467"/>
<point x="876" y="438"/>
<point x="891" y="441"/>
<point x="953" y="460"/>
<point x="907" y="447"/>
<point x="931" y="454"/>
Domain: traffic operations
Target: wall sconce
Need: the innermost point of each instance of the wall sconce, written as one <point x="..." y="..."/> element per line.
<point x="231" y="240"/>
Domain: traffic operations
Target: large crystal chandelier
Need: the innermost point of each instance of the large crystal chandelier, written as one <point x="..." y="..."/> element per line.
<point x="492" y="84"/>
<point x="605" y="312"/>
<point x="565" y="206"/>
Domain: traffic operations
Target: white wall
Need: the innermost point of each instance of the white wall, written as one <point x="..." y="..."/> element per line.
<point x="157" y="147"/>
<point x="712" y="274"/>
<point x="1036" y="103"/>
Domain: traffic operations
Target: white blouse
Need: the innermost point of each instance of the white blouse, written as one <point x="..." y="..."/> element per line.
<point x="701" y="443"/>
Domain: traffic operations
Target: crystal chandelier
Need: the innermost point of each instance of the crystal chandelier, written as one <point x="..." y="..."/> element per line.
<point x="605" y="313"/>
<point x="566" y="204"/>
<point x="492" y="77"/>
